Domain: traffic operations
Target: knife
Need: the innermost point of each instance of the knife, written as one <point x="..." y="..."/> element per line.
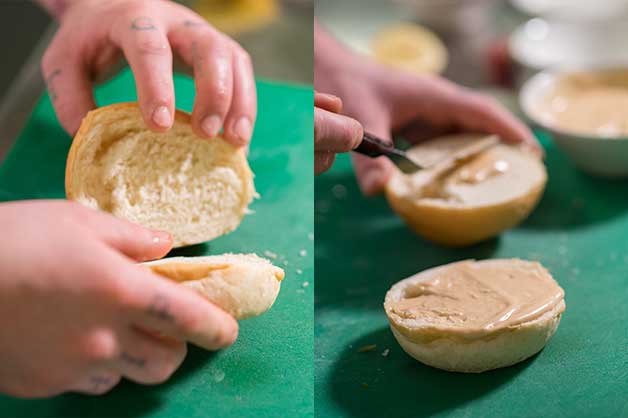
<point x="372" y="146"/>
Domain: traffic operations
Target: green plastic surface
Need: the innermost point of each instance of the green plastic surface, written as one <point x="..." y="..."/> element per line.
<point x="268" y="371"/>
<point x="579" y="232"/>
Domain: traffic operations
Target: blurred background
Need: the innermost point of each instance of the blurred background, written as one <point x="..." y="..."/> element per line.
<point x="273" y="31"/>
<point x="560" y="65"/>
<point x="489" y="43"/>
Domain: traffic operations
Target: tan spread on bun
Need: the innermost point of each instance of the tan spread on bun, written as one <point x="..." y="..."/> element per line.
<point x="473" y="316"/>
<point x="474" y="197"/>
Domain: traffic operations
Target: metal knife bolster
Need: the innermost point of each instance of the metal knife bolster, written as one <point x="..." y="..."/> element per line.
<point x="373" y="146"/>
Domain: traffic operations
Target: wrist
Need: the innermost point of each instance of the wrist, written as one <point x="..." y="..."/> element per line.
<point x="332" y="60"/>
<point x="329" y="53"/>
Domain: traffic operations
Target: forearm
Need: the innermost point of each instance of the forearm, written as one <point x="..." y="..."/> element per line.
<point x="330" y="56"/>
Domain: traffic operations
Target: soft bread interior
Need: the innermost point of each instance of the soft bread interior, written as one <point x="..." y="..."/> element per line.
<point x="243" y="285"/>
<point x="196" y="189"/>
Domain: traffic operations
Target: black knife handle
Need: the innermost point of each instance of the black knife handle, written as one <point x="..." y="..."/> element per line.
<point x="373" y="146"/>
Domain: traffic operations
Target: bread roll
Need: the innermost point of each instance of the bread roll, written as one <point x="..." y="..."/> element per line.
<point x="196" y="189"/>
<point x="473" y="316"/>
<point x="243" y="285"/>
<point x="462" y="201"/>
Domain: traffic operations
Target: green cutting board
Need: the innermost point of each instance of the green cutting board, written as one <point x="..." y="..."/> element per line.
<point x="268" y="371"/>
<point x="579" y="232"/>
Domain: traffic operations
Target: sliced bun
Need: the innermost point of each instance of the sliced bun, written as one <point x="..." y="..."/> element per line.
<point x="243" y="285"/>
<point x="194" y="188"/>
<point x="446" y="337"/>
<point x="463" y="201"/>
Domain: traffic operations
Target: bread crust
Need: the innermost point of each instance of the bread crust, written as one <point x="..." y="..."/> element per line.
<point x="460" y="226"/>
<point x="243" y="285"/>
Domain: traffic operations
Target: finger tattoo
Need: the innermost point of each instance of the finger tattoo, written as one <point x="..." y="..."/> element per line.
<point x="97" y="382"/>
<point x="143" y="23"/>
<point x="159" y="308"/>
<point x="135" y="361"/>
<point x="193" y="23"/>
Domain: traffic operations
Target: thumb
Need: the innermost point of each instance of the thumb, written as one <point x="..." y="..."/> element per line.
<point x="130" y="239"/>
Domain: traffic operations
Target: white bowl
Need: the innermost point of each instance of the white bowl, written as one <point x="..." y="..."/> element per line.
<point x="540" y="44"/>
<point x="574" y="10"/>
<point x="597" y="155"/>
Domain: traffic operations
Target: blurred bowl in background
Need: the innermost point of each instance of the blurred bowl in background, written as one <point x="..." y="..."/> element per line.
<point x="597" y="154"/>
<point x="574" y="10"/>
<point x="538" y="45"/>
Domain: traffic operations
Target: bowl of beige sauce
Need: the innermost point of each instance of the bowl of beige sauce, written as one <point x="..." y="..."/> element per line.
<point x="585" y="113"/>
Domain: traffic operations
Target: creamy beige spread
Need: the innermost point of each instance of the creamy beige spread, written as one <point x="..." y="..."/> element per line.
<point x="473" y="170"/>
<point x="480" y="299"/>
<point x="183" y="272"/>
<point x="589" y="103"/>
<point x="479" y="169"/>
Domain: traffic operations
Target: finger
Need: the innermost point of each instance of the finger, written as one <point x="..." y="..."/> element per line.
<point x="69" y="86"/>
<point x="130" y="239"/>
<point x="335" y="133"/>
<point x="169" y="309"/>
<point x="238" y="127"/>
<point x="328" y="102"/>
<point x="373" y="173"/>
<point x="477" y="112"/>
<point x="323" y="161"/>
<point x="213" y="75"/>
<point x="148" y="360"/>
<point x="205" y="50"/>
<point x="147" y="50"/>
<point x="97" y="382"/>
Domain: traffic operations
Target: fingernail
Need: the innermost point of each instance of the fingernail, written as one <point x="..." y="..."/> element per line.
<point x="160" y="237"/>
<point x="162" y="117"/>
<point x="211" y="125"/>
<point x="243" y="129"/>
<point x="330" y="96"/>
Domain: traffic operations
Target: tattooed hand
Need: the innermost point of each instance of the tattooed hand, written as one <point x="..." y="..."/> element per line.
<point x="94" y="34"/>
<point x="76" y="312"/>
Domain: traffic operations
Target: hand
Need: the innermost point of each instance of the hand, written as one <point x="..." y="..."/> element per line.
<point x="94" y="33"/>
<point x="388" y="102"/>
<point x="333" y="132"/>
<point x="76" y="312"/>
